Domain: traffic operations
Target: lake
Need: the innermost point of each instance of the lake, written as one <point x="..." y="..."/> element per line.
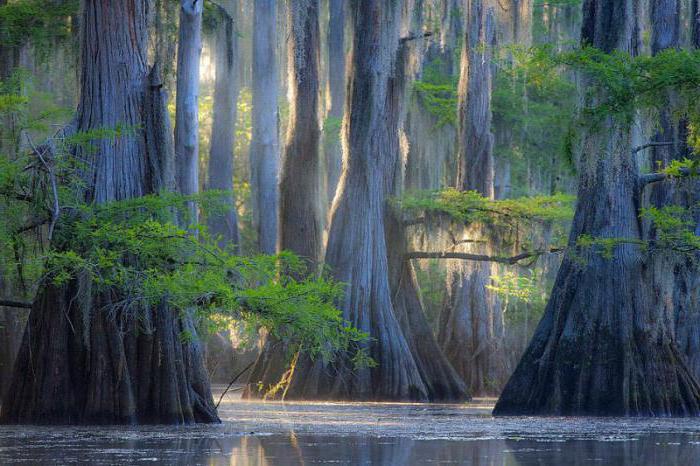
<point x="274" y="433"/>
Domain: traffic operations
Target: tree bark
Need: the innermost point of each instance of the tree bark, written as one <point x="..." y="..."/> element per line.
<point x="336" y="90"/>
<point x="357" y="249"/>
<point x="264" y="144"/>
<point x="223" y="130"/>
<point x="470" y="328"/>
<point x="300" y="217"/>
<point x="189" y="49"/>
<point x="603" y="347"/>
<point x="84" y="359"/>
<point x="679" y="275"/>
<point x="300" y="228"/>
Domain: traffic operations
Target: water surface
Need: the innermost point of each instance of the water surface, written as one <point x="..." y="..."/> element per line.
<point x="255" y="433"/>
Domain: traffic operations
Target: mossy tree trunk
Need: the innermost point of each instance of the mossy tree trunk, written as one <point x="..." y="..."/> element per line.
<point x="680" y="294"/>
<point x="357" y="249"/>
<point x="85" y="359"/>
<point x="603" y="347"/>
<point x="470" y="329"/>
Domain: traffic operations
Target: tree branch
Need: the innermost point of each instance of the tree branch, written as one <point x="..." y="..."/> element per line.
<point x="656" y="177"/>
<point x="651" y="144"/>
<point x="479" y="257"/>
<point x="413" y="36"/>
<point x="15" y="304"/>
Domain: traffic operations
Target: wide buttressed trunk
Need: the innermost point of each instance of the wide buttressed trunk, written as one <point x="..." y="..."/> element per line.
<point x="603" y="347"/>
<point x="357" y="249"/>
<point x="469" y="331"/>
<point x="441" y="380"/>
<point x="84" y="357"/>
<point x="300" y="218"/>
<point x="221" y="155"/>
<point x="264" y="142"/>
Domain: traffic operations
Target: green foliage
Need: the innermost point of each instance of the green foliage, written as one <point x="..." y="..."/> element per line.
<point x="35" y="21"/>
<point x="535" y="103"/>
<point x="134" y="251"/>
<point x="513" y="286"/>
<point x="621" y="85"/>
<point x="331" y="130"/>
<point x="675" y="227"/>
<point x="470" y="206"/>
<point x="438" y="93"/>
<point x="605" y="247"/>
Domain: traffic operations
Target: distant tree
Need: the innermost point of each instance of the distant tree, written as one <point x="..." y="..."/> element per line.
<point x="264" y="144"/>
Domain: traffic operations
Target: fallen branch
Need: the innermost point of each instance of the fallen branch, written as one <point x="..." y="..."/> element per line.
<point x="232" y="382"/>
<point x="479" y="257"/>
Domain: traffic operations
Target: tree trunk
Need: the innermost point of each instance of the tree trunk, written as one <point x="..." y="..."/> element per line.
<point x="300" y="217"/>
<point x="442" y="382"/>
<point x="336" y="89"/>
<point x="300" y="214"/>
<point x="264" y="145"/>
<point x="223" y="130"/>
<point x="84" y="359"/>
<point x="681" y="295"/>
<point x="470" y="333"/>
<point x="603" y="347"/>
<point x="357" y="249"/>
<point x="189" y="49"/>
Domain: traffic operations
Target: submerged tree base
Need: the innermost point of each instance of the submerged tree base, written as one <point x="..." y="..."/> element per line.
<point x="81" y="364"/>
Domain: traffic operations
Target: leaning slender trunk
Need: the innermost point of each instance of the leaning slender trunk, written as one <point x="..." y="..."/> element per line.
<point x="84" y="358"/>
<point x="603" y="347"/>
<point x="223" y="131"/>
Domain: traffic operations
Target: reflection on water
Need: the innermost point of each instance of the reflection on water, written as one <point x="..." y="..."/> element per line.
<point x="269" y="434"/>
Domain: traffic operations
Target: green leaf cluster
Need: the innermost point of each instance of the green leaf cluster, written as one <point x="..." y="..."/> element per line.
<point x="437" y="92"/>
<point x="470" y="206"/>
<point x="35" y="21"/>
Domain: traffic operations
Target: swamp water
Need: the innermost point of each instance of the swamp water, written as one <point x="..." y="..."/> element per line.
<point x="262" y="434"/>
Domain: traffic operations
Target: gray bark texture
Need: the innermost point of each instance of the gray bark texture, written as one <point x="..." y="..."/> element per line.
<point x="336" y="90"/>
<point x="189" y="49"/>
<point x="264" y="144"/>
<point x="300" y="228"/>
<point x="470" y="329"/>
<point x="300" y="211"/>
<point x="223" y="131"/>
<point x="681" y="294"/>
<point x="597" y="352"/>
<point x="84" y="359"/>
<point x="357" y="249"/>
